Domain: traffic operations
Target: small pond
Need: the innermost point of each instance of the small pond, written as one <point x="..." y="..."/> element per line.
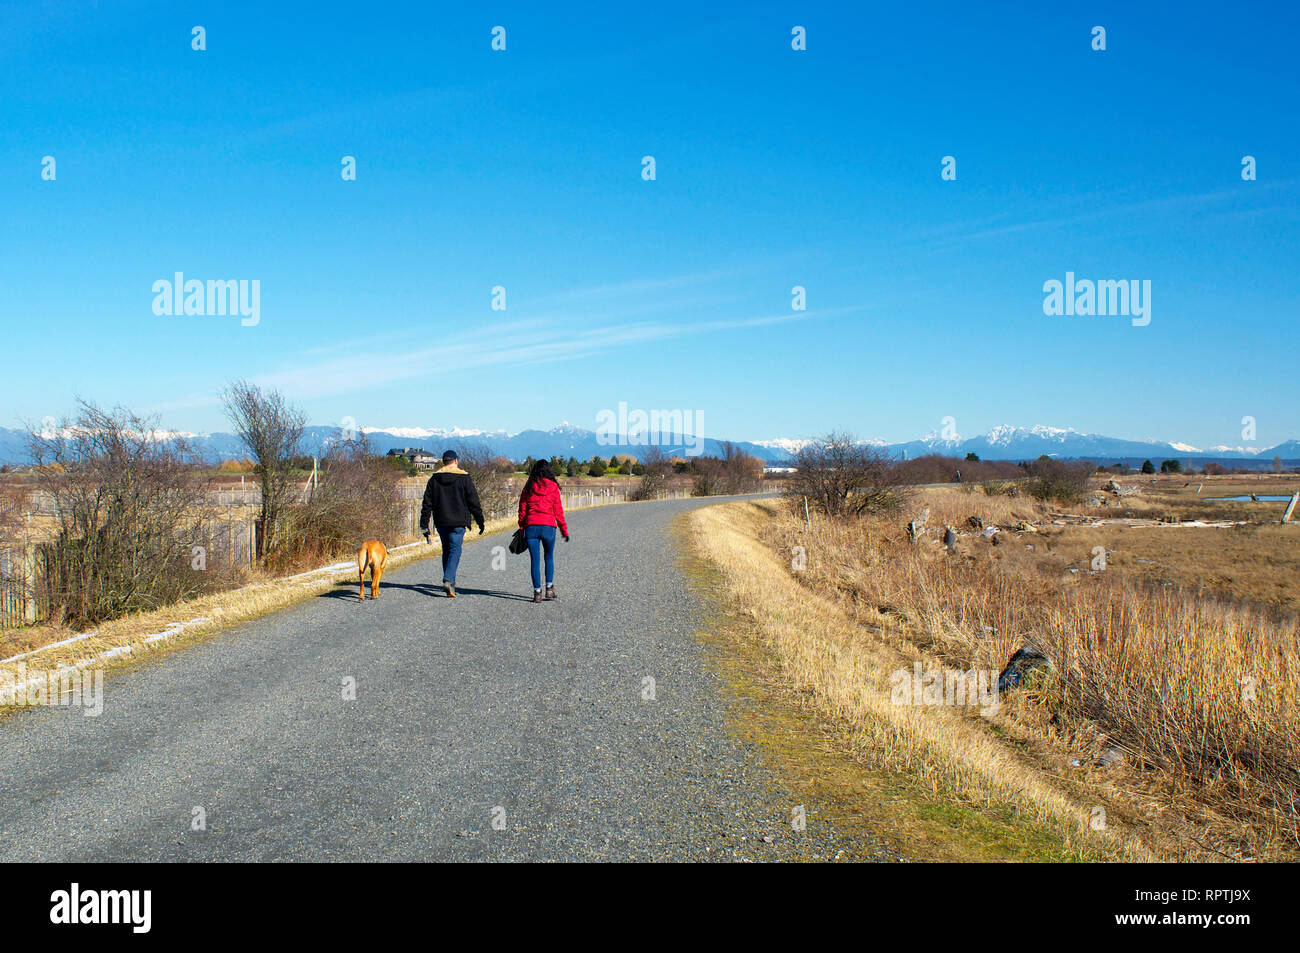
<point x="1246" y="499"/>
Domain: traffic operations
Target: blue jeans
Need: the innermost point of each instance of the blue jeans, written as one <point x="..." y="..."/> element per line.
<point x="539" y="538"/>
<point x="451" y="537"/>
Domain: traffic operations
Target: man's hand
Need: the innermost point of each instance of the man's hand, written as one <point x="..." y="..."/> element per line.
<point x="566" y="536"/>
<point x="426" y="537"/>
<point x="480" y="529"/>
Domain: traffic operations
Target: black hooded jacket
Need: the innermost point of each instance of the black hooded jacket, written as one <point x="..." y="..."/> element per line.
<point x="451" y="499"/>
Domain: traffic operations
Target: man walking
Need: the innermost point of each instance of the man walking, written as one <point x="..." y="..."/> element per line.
<point x="452" y="501"/>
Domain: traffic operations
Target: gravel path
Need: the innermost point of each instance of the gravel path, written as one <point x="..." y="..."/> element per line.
<point x="467" y="710"/>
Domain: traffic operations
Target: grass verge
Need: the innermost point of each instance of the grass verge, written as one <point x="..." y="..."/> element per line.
<point x="933" y="784"/>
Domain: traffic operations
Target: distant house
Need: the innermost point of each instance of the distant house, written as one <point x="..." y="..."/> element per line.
<point x="775" y="470"/>
<point x="418" y="456"/>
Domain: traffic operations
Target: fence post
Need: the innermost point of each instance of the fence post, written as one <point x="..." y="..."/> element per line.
<point x="29" y="594"/>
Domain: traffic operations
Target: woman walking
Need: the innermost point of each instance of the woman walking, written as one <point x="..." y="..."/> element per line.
<point x="541" y="510"/>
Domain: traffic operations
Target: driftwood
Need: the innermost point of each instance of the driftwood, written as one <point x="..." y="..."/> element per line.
<point x="916" y="528"/>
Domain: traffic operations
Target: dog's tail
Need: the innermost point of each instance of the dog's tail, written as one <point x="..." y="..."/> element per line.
<point x="363" y="560"/>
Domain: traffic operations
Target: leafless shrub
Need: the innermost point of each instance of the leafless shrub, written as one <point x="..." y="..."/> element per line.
<point x="271" y="429"/>
<point x="734" y="472"/>
<point x="128" y="514"/>
<point x="357" y="497"/>
<point x="654" y="481"/>
<point x="933" y="468"/>
<point x="13" y="504"/>
<point x="492" y="475"/>
<point x="1059" y="480"/>
<point x="840" y="476"/>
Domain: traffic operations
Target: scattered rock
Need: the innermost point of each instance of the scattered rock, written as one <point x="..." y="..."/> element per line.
<point x="975" y="523"/>
<point x="1110" y="756"/>
<point x="916" y="528"/>
<point x="1025" y="660"/>
<point x="950" y="539"/>
<point x="1120" y="489"/>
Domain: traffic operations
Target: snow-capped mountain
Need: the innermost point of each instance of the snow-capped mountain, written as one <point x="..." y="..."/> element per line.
<point x="1287" y="451"/>
<point x="784" y="444"/>
<point x="1243" y="451"/>
<point x="566" y="440"/>
<point x="1028" y="443"/>
<point x="424" y="433"/>
<point x="1006" y="434"/>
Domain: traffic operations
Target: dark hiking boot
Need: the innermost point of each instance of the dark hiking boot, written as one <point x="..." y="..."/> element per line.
<point x="450" y="590"/>
<point x="550" y="592"/>
<point x="537" y="595"/>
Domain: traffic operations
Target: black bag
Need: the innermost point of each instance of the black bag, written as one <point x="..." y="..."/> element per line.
<point x="518" y="542"/>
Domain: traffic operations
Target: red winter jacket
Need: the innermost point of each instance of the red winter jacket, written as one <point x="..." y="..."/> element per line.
<point x="542" y="506"/>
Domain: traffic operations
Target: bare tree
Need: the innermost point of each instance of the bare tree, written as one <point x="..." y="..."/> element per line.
<point x="744" y="471"/>
<point x="491" y="474"/>
<point x="358" y="498"/>
<point x="658" y="468"/>
<point x="127" y="513"/>
<point x="271" y="429"/>
<point x="734" y="472"/>
<point x="839" y="476"/>
<point x="1065" y="481"/>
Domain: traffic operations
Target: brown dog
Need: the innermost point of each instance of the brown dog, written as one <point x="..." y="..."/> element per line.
<point x="374" y="555"/>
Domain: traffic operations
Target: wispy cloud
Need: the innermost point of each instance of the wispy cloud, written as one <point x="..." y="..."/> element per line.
<point x="638" y="287"/>
<point x="500" y="346"/>
<point x="579" y="323"/>
<point x="1096" y="209"/>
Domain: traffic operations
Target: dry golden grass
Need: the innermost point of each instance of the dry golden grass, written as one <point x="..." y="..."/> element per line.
<point x="950" y="506"/>
<point x="1176" y="497"/>
<point x="1253" y="564"/>
<point x="1201" y="697"/>
<point x="825" y="650"/>
<point x="215" y="611"/>
<point x="1147" y="538"/>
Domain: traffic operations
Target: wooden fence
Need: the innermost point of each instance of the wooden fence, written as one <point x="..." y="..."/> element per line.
<point x="23" y="599"/>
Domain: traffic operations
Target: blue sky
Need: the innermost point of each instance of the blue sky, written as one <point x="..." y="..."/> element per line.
<point x="775" y="168"/>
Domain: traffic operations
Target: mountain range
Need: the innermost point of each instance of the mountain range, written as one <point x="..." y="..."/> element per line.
<point x="1001" y="443"/>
